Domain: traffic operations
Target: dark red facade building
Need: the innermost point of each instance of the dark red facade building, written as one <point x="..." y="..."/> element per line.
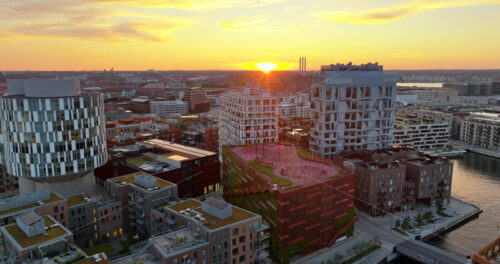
<point x="307" y="202"/>
<point x="195" y="171"/>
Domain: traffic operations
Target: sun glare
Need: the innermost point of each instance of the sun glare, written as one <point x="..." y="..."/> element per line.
<point x="267" y="66"/>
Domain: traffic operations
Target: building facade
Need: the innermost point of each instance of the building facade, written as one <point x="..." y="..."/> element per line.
<point x="306" y="201"/>
<point x="53" y="135"/>
<point x="247" y="117"/>
<point x="165" y="108"/>
<point x="481" y="129"/>
<point x="352" y="109"/>
<point x="196" y="100"/>
<point x="422" y="133"/>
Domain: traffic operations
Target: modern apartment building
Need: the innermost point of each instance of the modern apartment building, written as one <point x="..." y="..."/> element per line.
<point x="137" y="192"/>
<point x="165" y="108"/>
<point x="195" y="171"/>
<point x="307" y="202"/>
<point x="294" y="105"/>
<point x="481" y="129"/>
<point x="212" y="231"/>
<point x="352" y="108"/>
<point x="53" y="135"/>
<point x="248" y="116"/>
<point x="422" y="133"/>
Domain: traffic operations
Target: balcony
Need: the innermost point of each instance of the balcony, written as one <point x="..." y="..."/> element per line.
<point x="131" y="216"/>
<point x="263" y="236"/>
<point x="170" y="221"/>
<point x="140" y="222"/>
<point x="262" y="226"/>
<point x="262" y="246"/>
<point x="263" y="255"/>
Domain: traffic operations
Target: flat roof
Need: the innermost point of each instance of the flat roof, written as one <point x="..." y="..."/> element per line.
<point x="184" y="150"/>
<point x="175" y="242"/>
<point x="210" y="221"/>
<point x="24" y="241"/>
<point x="287" y="166"/>
<point x="130" y="179"/>
<point x="77" y="199"/>
<point x="53" y="198"/>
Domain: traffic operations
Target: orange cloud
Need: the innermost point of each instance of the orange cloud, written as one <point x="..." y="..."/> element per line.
<point x="395" y="12"/>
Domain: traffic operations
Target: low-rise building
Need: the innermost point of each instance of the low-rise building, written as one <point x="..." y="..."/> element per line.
<point x="195" y="171"/>
<point x="33" y="236"/>
<point x="212" y="231"/>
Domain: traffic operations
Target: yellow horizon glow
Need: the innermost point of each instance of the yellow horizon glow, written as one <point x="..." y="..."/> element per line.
<point x="266" y="67"/>
<point x="237" y="34"/>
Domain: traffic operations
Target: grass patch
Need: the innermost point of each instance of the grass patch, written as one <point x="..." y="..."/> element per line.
<point x="104" y="247"/>
<point x="269" y="171"/>
<point x="361" y="255"/>
<point x="139" y="160"/>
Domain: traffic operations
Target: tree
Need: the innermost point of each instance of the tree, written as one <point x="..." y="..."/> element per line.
<point x="419" y="219"/>
<point x="440" y="208"/>
<point x="429" y="217"/>
<point x="398" y="223"/>
<point x="406" y="223"/>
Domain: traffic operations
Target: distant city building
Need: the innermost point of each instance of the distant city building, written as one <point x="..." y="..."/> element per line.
<point x="249" y="116"/>
<point x="429" y="95"/>
<point x="140" y="105"/>
<point x="53" y="136"/>
<point x="395" y="179"/>
<point x="165" y="108"/>
<point x="307" y="201"/>
<point x="412" y="130"/>
<point x="475" y="88"/>
<point x="352" y="108"/>
<point x="482" y="129"/>
<point x="212" y="231"/>
<point x="196" y="100"/>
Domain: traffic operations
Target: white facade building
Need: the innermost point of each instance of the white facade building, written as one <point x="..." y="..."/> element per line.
<point x="482" y="129"/>
<point x="51" y="133"/>
<point x="246" y="117"/>
<point x="294" y="105"/>
<point x="165" y="108"/>
<point x="352" y="108"/>
<point x="419" y="132"/>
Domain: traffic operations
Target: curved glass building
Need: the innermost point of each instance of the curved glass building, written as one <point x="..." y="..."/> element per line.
<point x="53" y="136"/>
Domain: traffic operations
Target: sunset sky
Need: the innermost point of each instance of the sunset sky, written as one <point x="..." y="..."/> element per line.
<point x="238" y="34"/>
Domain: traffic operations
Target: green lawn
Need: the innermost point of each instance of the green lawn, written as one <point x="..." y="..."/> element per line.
<point x="139" y="160"/>
<point x="104" y="247"/>
<point x="269" y="171"/>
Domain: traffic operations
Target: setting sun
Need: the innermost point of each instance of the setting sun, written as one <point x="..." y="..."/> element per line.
<point x="267" y="66"/>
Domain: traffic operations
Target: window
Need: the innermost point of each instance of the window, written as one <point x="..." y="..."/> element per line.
<point x="56" y="209"/>
<point x="204" y="252"/>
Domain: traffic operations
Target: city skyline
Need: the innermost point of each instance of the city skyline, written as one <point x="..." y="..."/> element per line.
<point x="238" y="35"/>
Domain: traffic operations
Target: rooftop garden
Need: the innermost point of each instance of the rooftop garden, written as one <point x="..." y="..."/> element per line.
<point x="104" y="247"/>
<point x="138" y="160"/>
<point x="25" y="241"/>
<point x="53" y="198"/>
<point x="268" y="170"/>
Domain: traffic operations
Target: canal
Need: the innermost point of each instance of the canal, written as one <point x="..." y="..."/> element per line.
<point x="476" y="179"/>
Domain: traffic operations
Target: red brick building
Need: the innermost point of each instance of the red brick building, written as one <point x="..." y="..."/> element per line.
<point x="307" y="201"/>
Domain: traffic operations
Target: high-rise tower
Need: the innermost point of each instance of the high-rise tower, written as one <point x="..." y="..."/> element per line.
<point x="352" y="108"/>
<point x="52" y="135"/>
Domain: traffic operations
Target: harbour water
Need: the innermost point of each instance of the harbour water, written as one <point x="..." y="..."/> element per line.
<point x="476" y="179"/>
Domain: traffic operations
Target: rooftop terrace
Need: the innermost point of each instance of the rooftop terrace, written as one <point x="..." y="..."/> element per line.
<point x="51" y="233"/>
<point x="174" y="242"/>
<point x="78" y="199"/>
<point x="287" y="165"/>
<point x="192" y="208"/>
